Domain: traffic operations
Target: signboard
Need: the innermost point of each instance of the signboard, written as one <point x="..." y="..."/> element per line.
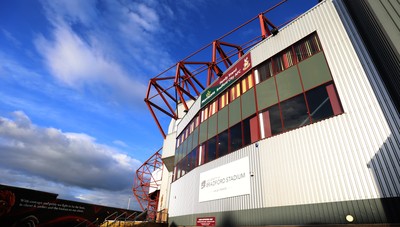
<point x="206" y="221"/>
<point x="229" y="77"/>
<point x="229" y="180"/>
<point x="27" y="207"/>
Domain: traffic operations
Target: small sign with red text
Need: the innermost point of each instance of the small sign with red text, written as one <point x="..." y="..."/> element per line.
<point x="206" y="221"/>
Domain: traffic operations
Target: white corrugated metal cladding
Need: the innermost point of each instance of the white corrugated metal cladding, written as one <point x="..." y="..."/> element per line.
<point x="352" y="156"/>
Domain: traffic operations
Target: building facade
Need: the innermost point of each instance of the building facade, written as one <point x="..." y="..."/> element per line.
<point x="302" y="129"/>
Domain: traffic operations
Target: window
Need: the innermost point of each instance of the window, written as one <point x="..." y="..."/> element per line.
<point x="247" y="83"/>
<point x="294" y="112"/>
<point x="319" y="103"/>
<point x="213" y="108"/>
<point x="223" y="100"/>
<point x="235" y="134"/>
<point x="272" y="121"/>
<point x="308" y="47"/>
<point x="223" y="143"/>
<point x="292" y="98"/>
<point x="196" y="121"/>
<point x="211" y="151"/>
<point x="192" y="158"/>
<point x="234" y="92"/>
<point x="283" y="60"/>
<point x="204" y="114"/>
<point x="191" y="127"/>
<point x="265" y="70"/>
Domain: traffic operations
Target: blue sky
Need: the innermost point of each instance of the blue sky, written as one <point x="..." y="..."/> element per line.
<point x="74" y="74"/>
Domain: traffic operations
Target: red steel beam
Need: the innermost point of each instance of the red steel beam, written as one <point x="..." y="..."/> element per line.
<point x="186" y="81"/>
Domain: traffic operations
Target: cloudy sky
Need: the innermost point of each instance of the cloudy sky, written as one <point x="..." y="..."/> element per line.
<point x="73" y="76"/>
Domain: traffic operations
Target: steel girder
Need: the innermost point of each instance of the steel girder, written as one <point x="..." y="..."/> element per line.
<point x="170" y="88"/>
<point x="144" y="181"/>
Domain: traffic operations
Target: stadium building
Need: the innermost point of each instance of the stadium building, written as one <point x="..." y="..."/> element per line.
<point x="301" y="128"/>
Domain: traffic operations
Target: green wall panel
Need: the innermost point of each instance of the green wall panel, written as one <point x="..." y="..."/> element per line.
<point x="212" y="126"/>
<point x="314" y="71"/>
<point x="223" y="119"/>
<point x="234" y="112"/>
<point x="195" y="138"/>
<point x="248" y="103"/>
<point x="189" y="144"/>
<point x="203" y="131"/>
<point x="266" y="94"/>
<point x="288" y="83"/>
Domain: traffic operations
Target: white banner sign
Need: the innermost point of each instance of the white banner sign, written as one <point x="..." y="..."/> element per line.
<point x="229" y="180"/>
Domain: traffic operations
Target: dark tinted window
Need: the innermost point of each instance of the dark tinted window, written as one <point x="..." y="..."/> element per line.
<point x="211" y="149"/>
<point x="275" y="120"/>
<point x="236" y="136"/>
<point x="319" y="104"/>
<point x="294" y="112"/>
<point x="247" y="131"/>
<point x="192" y="163"/>
<point x="223" y="143"/>
<point x="265" y="70"/>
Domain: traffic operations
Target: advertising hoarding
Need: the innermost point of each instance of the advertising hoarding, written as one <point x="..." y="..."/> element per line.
<point x="232" y="179"/>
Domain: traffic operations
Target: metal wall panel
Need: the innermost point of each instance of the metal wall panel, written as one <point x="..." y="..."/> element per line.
<point x="353" y="156"/>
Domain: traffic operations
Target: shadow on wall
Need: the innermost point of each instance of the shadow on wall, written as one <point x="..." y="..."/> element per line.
<point x="385" y="168"/>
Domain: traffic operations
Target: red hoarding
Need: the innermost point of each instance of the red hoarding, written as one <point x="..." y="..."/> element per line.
<point x="205" y="221"/>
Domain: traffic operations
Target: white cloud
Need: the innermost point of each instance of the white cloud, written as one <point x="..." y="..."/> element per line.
<point x="68" y="159"/>
<point x="75" y="63"/>
<point x="120" y="143"/>
<point x="113" y="56"/>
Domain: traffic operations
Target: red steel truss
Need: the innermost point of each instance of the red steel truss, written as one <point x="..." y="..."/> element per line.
<point x="188" y="78"/>
<point x="145" y="181"/>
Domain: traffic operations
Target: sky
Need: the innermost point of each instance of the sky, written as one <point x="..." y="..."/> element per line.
<point x="73" y="77"/>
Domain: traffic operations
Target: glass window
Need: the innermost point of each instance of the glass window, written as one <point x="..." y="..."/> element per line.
<point x="223" y="100"/>
<point x="192" y="158"/>
<point x="307" y="47"/>
<point x="294" y="112"/>
<point x="204" y="114"/>
<point x="319" y="104"/>
<point x="247" y="83"/>
<point x="223" y="143"/>
<point x="213" y="108"/>
<point x="196" y="121"/>
<point x="191" y="127"/>
<point x="235" y="135"/>
<point x="265" y="70"/>
<point x="211" y="152"/>
<point x="183" y="166"/>
<point x="272" y="121"/>
<point x="287" y="58"/>
<point x="234" y="92"/>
